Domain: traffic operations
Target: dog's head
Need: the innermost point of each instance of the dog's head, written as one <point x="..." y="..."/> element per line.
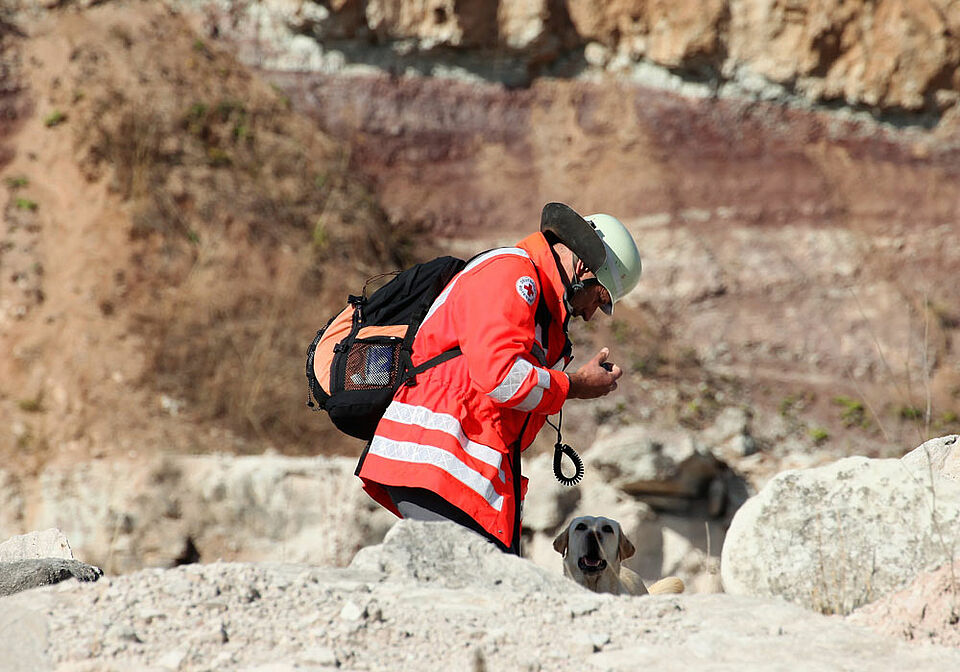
<point x="592" y="549"/>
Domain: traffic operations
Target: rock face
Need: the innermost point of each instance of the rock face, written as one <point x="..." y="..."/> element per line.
<point x="432" y="596"/>
<point x="125" y="516"/>
<point x="835" y="537"/>
<point x="887" y="55"/>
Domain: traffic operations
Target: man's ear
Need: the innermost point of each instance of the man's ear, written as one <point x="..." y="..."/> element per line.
<point x="560" y="543"/>
<point x="626" y="548"/>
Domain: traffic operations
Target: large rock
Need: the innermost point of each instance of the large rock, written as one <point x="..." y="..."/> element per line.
<point x="839" y="536"/>
<point x="50" y="543"/>
<point x="180" y="509"/>
<point x="941" y="456"/>
<point x="448" y="555"/>
<point x="40" y="559"/>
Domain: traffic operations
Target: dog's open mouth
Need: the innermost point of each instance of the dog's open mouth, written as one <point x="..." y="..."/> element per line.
<point x="591" y="565"/>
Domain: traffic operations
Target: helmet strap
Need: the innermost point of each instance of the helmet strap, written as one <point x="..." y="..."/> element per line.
<point x="577" y="283"/>
<point x="570" y="287"/>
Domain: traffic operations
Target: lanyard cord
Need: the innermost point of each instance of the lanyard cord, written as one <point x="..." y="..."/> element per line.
<point x="559" y="450"/>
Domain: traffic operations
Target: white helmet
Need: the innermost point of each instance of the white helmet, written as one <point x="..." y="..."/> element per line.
<point x="620" y="272"/>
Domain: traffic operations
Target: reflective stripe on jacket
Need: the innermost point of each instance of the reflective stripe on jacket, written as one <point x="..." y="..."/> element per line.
<point x="454" y="431"/>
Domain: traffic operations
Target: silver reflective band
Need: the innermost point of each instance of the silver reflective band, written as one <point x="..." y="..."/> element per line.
<point x="406" y="451"/>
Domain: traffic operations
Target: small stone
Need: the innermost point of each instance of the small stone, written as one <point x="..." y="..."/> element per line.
<point x="352" y="612"/>
<point x="172" y="659"/>
<point x="599" y="640"/>
<point x="319" y="655"/>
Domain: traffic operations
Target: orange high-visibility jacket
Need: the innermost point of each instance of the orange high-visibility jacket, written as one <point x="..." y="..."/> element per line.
<point x="456" y="432"/>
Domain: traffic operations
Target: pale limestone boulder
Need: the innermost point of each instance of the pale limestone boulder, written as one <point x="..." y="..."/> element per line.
<point x="637" y="453"/>
<point x="729" y="436"/>
<point x="157" y="513"/>
<point x="942" y="455"/>
<point x="448" y="555"/>
<point x="50" y="543"/>
<point x="835" y="537"/>
<point x="668" y="469"/>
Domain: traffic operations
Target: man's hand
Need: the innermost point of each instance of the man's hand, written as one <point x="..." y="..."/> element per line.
<point x="595" y="378"/>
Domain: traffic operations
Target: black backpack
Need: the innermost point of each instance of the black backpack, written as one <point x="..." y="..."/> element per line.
<point x="363" y="354"/>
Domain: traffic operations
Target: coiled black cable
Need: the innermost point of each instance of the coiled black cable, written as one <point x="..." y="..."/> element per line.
<point x="559" y="450"/>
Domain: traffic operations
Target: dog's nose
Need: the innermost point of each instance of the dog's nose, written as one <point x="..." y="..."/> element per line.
<point x="593" y="543"/>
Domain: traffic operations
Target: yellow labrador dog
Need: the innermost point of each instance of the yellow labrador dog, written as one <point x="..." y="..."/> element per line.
<point x="592" y="550"/>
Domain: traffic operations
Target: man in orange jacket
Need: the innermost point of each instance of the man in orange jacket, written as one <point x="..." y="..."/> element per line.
<point x="448" y="446"/>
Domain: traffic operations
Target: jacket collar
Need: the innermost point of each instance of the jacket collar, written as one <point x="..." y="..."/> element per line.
<point x="540" y="253"/>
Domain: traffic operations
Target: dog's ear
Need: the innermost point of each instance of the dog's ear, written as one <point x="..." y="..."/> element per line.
<point x="626" y="548"/>
<point x="560" y="543"/>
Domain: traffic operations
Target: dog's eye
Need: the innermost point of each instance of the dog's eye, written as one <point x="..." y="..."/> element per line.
<point x="606" y="529"/>
<point x="580" y="527"/>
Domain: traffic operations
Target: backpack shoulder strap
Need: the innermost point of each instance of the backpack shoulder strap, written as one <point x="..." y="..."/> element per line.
<point x="410" y="376"/>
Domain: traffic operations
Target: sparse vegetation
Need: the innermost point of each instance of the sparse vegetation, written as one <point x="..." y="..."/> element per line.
<point x="853" y="413"/>
<point x="320" y="237"/>
<point x="647" y="365"/>
<point x="218" y="158"/>
<point x="698" y="411"/>
<point x="21" y="203"/>
<point x="949" y="419"/>
<point x="620" y="331"/>
<point x="794" y="403"/>
<point x="910" y="413"/>
<point x="17" y="181"/>
<point x="819" y="435"/>
<point x="200" y="47"/>
<point x="55" y="118"/>
<point x="32" y="404"/>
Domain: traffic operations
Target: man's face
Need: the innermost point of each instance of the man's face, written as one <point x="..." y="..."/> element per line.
<point x="585" y="302"/>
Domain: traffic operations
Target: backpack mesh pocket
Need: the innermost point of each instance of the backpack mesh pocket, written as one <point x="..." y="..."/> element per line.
<point x="372" y="364"/>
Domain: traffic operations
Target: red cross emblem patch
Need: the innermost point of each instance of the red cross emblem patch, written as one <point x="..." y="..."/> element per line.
<point x="527" y="289"/>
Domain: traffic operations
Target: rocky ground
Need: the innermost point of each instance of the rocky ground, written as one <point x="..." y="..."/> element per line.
<point x="432" y="596"/>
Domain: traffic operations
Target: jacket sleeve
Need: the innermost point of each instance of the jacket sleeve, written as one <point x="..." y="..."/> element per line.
<point x="494" y="315"/>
